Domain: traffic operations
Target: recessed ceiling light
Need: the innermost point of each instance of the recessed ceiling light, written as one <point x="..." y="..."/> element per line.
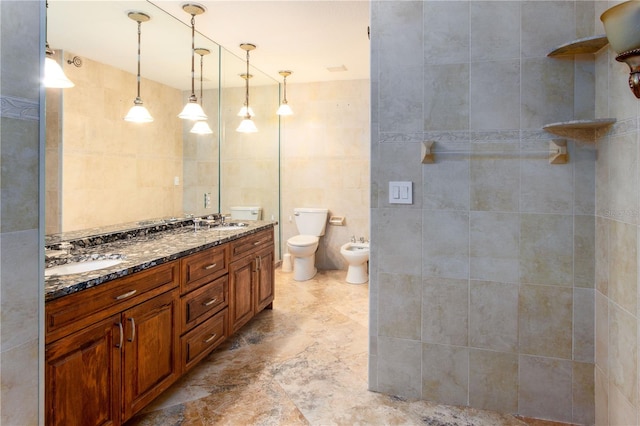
<point x="339" y="68"/>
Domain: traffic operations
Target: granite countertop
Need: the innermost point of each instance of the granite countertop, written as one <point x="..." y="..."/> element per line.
<point x="139" y="249"/>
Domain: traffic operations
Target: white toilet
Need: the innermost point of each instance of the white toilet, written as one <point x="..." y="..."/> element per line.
<point x="246" y="212"/>
<point x="356" y="255"/>
<point x="311" y="223"/>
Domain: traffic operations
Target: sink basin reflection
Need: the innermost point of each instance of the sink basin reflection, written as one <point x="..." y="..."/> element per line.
<point x="80" y="267"/>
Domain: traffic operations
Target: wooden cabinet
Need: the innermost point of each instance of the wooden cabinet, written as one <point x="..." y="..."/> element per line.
<point x="83" y="377"/>
<point x="103" y="366"/>
<point x="205" y="297"/>
<point x="150" y="355"/>
<point x="251" y="277"/>
<point x="111" y="349"/>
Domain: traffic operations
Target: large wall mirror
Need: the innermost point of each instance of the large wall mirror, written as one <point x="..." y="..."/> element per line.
<point x="103" y="171"/>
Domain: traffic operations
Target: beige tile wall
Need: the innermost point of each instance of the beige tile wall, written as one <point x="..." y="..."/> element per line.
<point x="498" y="245"/>
<point x="21" y="281"/>
<point x="114" y="171"/>
<point x="325" y="154"/>
<point x="616" y="250"/>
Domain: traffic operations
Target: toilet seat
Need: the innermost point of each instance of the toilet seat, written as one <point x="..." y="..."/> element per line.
<point x="303" y="240"/>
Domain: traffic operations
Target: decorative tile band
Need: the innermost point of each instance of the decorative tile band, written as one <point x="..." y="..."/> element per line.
<point x="20" y="108"/>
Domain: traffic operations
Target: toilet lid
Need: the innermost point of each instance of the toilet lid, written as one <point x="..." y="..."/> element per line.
<point x="303" y="240"/>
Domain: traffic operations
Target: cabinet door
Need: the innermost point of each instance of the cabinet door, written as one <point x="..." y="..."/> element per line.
<point x="265" y="283"/>
<point x="151" y="351"/>
<point x="241" y="299"/>
<point x="82" y="376"/>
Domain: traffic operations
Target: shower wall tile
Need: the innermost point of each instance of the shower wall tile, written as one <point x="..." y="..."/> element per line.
<point x="493" y="316"/>
<point x="401" y="229"/>
<point x="403" y="163"/>
<point x="623" y="265"/>
<point x="545" y="388"/>
<point x="583" y="393"/>
<point x="601" y="398"/>
<point x="623" y="352"/>
<point x="399" y="367"/>
<point x="546" y="249"/>
<point x="18" y="179"/>
<point x="489" y="41"/>
<point x="446" y="34"/>
<point x="445" y="183"/>
<point x="546" y="25"/>
<point x="602" y="255"/>
<point x="493" y="380"/>
<point x="490" y="107"/>
<point x="446" y="97"/>
<point x="546" y="188"/>
<point x="623" y="178"/>
<point x="621" y="411"/>
<point x="584" y="229"/>
<point x="584" y="87"/>
<point x="494" y="246"/>
<point x="399" y="306"/>
<point x="445" y="239"/>
<point x="495" y="180"/>
<point x="445" y="374"/>
<point x="583" y="158"/>
<point x="602" y="333"/>
<point x="545" y="321"/>
<point x="547" y="91"/>
<point x="625" y="104"/>
<point x="583" y="325"/>
<point x="445" y="307"/>
<point x="20" y="384"/>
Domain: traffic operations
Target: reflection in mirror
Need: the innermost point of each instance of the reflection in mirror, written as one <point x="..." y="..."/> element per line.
<point x="104" y="171"/>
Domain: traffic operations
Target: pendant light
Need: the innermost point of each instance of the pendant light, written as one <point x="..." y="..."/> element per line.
<point x="284" y="109"/>
<point x="247" y="125"/>
<point x="201" y="127"/>
<point x="244" y="109"/>
<point x="138" y="113"/>
<point x="54" y="76"/>
<point x="192" y="110"/>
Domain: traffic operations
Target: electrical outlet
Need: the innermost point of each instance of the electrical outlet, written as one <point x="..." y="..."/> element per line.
<point x="207" y="200"/>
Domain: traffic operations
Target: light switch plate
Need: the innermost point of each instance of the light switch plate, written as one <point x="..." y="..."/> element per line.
<point x="401" y="192"/>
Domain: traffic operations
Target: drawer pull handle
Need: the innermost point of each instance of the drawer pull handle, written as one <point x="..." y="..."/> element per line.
<point x="213" y="336"/>
<point x="213" y="265"/>
<point x="210" y="302"/>
<point x="257" y="243"/>
<point x="133" y="330"/>
<point x="119" y="345"/>
<point x="127" y="294"/>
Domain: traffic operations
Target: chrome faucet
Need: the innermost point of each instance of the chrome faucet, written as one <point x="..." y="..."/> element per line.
<point x="353" y="238"/>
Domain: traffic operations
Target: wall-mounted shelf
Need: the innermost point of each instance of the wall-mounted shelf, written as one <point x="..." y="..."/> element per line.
<point x="562" y="127"/>
<point x="581" y="46"/>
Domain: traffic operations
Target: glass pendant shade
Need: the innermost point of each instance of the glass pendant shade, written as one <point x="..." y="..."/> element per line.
<point x="243" y="112"/>
<point x="247" y="126"/>
<point x="193" y="111"/>
<point x="284" y="109"/>
<point x="138" y="113"/>
<point x="201" y="128"/>
<point x="53" y="74"/>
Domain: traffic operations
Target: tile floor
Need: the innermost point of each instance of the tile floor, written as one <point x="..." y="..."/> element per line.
<point x="302" y="363"/>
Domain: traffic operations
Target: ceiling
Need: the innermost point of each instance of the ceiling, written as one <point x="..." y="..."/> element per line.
<point x="309" y="37"/>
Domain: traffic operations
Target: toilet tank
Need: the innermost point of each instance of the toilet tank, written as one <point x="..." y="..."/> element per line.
<point x="311" y="221"/>
<point x="246" y="213"/>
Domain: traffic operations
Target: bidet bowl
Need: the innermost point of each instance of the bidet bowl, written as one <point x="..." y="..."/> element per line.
<point x="356" y="255"/>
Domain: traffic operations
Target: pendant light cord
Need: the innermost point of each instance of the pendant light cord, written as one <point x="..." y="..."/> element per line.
<point x="246" y="93"/>
<point x="284" y="100"/>
<point x="193" y="49"/>
<point x="138" y="78"/>
<point x="201" y="62"/>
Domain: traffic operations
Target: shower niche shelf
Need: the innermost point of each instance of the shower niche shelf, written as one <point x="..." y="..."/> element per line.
<point x="565" y="128"/>
<point x="581" y="46"/>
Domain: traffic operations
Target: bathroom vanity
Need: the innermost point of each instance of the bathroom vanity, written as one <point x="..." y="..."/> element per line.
<point x="118" y="337"/>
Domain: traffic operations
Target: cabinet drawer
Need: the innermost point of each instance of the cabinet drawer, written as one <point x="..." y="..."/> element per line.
<point x="200" y="304"/>
<point x="250" y="243"/>
<point x="200" y="268"/>
<point x="74" y="312"/>
<point x="203" y="339"/>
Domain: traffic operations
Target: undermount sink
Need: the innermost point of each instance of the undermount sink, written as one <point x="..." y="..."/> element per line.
<point x="80" y="267"/>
